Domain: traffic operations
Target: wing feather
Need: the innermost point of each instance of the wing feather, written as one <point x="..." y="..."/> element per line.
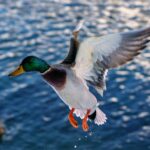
<point x="98" y="54"/>
<point x="74" y="44"/>
<point x="70" y="58"/>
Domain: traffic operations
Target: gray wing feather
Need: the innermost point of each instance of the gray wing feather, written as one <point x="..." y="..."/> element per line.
<point x="74" y="45"/>
<point x="70" y="59"/>
<point x="131" y="45"/>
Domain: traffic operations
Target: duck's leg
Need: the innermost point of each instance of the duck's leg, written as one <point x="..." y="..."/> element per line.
<point x="72" y="119"/>
<point x="84" y="121"/>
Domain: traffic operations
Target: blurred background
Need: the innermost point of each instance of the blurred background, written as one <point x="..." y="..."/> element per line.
<point x="32" y="117"/>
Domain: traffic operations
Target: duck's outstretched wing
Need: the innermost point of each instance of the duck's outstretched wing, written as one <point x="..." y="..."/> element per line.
<point x="74" y="45"/>
<point x="71" y="56"/>
<point x="98" y="54"/>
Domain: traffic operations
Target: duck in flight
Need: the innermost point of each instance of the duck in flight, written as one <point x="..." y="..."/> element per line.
<point x="87" y="64"/>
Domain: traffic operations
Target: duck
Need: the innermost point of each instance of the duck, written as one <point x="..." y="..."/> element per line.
<point x="87" y="64"/>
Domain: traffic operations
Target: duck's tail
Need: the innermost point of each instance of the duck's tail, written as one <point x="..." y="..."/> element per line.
<point x="98" y="117"/>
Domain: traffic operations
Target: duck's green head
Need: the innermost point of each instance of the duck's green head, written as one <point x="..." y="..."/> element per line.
<point x="31" y="63"/>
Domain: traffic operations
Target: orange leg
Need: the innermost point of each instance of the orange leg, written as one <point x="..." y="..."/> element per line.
<point x="84" y="121"/>
<point x="71" y="119"/>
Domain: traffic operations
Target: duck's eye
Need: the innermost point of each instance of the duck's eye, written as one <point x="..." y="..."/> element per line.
<point x="30" y="61"/>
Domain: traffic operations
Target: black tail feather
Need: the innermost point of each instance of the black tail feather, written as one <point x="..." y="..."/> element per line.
<point x="92" y="116"/>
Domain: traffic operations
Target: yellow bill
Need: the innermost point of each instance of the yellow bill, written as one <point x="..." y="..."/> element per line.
<point x="17" y="72"/>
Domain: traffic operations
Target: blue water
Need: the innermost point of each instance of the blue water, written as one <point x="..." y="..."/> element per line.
<point x="33" y="115"/>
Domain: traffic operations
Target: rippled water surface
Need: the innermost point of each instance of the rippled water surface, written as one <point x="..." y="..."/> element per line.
<point x="33" y="115"/>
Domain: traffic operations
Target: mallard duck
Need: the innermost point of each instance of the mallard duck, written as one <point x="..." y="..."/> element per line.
<point x="87" y="64"/>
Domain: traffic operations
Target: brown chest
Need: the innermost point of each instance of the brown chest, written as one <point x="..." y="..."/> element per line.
<point x="56" y="77"/>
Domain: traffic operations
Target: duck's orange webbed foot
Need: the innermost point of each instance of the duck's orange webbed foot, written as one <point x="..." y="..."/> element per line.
<point x="84" y="121"/>
<point x="72" y="119"/>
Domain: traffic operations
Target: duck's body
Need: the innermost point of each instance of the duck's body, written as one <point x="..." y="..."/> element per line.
<point x="65" y="82"/>
<point x="85" y="64"/>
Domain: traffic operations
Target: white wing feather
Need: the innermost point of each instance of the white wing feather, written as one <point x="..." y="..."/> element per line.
<point x="93" y="49"/>
<point x="97" y="54"/>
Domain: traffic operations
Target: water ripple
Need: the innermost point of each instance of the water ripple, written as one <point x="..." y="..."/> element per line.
<point x="34" y="116"/>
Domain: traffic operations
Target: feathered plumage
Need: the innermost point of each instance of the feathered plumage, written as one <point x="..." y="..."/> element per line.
<point x="87" y="62"/>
